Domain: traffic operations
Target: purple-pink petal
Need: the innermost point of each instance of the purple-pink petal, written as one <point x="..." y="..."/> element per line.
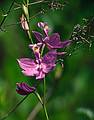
<point x="36" y="49"/>
<point x="38" y="69"/>
<point x="49" y="61"/>
<point x="28" y="66"/>
<point x="41" y="75"/>
<point x="65" y="43"/>
<point x="49" y="67"/>
<point x="50" y="57"/>
<point x="34" y="46"/>
<point x="61" y="53"/>
<point x="24" y="89"/>
<point x="53" y="42"/>
<point x="38" y="36"/>
<point x="44" y="26"/>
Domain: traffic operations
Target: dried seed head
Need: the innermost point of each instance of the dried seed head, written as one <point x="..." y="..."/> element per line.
<point x="55" y="5"/>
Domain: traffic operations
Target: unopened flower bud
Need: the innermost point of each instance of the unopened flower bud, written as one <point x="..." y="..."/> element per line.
<point x="44" y="26"/>
<point x="25" y="9"/>
<point x="24" y="89"/>
<point x="24" y="23"/>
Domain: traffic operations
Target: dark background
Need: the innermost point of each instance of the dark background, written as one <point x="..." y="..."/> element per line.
<point x="73" y="92"/>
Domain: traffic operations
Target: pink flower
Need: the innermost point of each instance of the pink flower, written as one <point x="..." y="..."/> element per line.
<point x="40" y="66"/>
<point x="51" y="41"/>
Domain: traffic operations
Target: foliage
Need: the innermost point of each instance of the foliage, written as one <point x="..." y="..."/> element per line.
<point x="69" y="88"/>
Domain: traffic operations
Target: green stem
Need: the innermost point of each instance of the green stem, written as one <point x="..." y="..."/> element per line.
<point x="39" y="98"/>
<point x="8" y="25"/>
<point x="29" y="35"/>
<point x="44" y="99"/>
<point x="27" y="17"/>
<point x="11" y="111"/>
<point x="42" y="49"/>
<point x="26" y="13"/>
<point x="44" y="90"/>
<point x="7" y="14"/>
<point x="33" y="3"/>
<point x="27" y="2"/>
<point x="45" y="110"/>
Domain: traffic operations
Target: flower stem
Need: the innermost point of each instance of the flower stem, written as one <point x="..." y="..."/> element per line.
<point x="33" y="3"/>
<point x="11" y="111"/>
<point x="39" y="98"/>
<point x="29" y="35"/>
<point x="45" y="110"/>
<point x="44" y="99"/>
<point x="26" y="13"/>
<point x="43" y="46"/>
<point x="44" y="89"/>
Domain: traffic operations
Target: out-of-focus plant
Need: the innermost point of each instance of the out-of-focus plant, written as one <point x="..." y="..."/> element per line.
<point x="44" y="62"/>
<point x="87" y="112"/>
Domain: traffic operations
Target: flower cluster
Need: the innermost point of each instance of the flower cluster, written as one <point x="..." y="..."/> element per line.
<point x="42" y="64"/>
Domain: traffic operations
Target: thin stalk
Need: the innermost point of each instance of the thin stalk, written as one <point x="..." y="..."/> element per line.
<point x="13" y="24"/>
<point x="39" y="98"/>
<point x="27" y="2"/>
<point x="11" y="111"/>
<point x="29" y="35"/>
<point x="42" y="49"/>
<point x="44" y="90"/>
<point x="45" y="110"/>
<point x="44" y="99"/>
<point x="27" y="18"/>
<point x="7" y="13"/>
<point x="34" y="3"/>
<point x="37" y="2"/>
<point x="17" y="4"/>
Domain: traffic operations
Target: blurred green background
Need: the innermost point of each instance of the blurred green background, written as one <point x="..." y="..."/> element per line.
<point x="73" y="86"/>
